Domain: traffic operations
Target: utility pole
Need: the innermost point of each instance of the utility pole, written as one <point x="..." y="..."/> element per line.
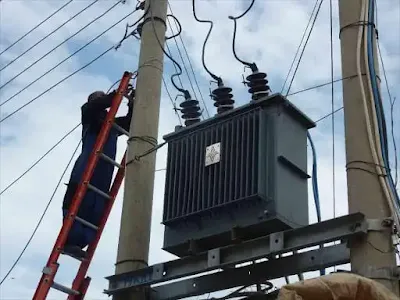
<point x="133" y="247"/>
<point x="374" y="256"/>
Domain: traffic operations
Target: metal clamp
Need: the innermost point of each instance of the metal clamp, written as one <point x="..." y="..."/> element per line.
<point x="379" y="224"/>
<point x="214" y="258"/>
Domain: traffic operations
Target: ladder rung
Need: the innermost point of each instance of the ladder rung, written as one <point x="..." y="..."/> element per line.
<point x="110" y="160"/>
<point x="120" y="129"/>
<point x="86" y="223"/>
<point x="100" y="192"/>
<point x="64" y="289"/>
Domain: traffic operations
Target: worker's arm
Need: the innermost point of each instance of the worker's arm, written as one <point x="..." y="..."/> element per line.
<point x="91" y="109"/>
<point x="125" y="122"/>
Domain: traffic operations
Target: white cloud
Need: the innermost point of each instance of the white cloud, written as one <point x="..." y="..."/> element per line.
<point x="269" y="35"/>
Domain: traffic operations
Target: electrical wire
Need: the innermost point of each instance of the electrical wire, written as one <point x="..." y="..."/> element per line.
<point x="181" y="56"/>
<point x="215" y="77"/>
<point x="45" y="37"/>
<point x="252" y="66"/>
<point x="392" y="102"/>
<point x="191" y="67"/>
<point x="68" y="57"/>
<point x="378" y="113"/>
<point x="182" y="90"/>
<point x="333" y="119"/>
<point x="70" y="75"/>
<point x="40" y="159"/>
<point x="298" y="48"/>
<point x="172" y="101"/>
<point x="305" y="46"/>
<point x="42" y="216"/>
<point x="52" y="14"/>
<point x="178" y="24"/>
<point x="60" y="44"/>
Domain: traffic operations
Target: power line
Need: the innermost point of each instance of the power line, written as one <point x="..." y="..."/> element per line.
<point x="298" y="48"/>
<point x="65" y="78"/>
<point x="172" y="101"/>
<point x="45" y="37"/>
<point x="392" y="102"/>
<point x="191" y="66"/>
<point x="41" y="158"/>
<point x="183" y="61"/>
<point x="333" y="115"/>
<point x="328" y="115"/>
<point x="305" y="46"/>
<point x="58" y="10"/>
<point x="42" y="216"/>
<point x="56" y="47"/>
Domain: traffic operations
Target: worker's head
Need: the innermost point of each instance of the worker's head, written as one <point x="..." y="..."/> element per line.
<point x="95" y="95"/>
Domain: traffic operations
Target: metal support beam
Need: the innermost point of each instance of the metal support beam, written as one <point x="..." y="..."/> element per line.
<point x="255" y="273"/>
<point x="341" y="228"/>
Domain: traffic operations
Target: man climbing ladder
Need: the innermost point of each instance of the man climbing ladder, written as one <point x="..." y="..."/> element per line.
<point x="93" y="204"/>
<point x="89" y="198"/>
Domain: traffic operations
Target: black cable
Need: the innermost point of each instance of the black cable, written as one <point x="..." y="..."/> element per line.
<point x="298" y="48"/>
<point x="68" y="57"/>
<point x="52" y="14"/>
<point x="60" y="44"/>
<point x="185" y="92"/>
<point x="178" y="25"/>
<point x="191" y="66"/>
<point x="45" y="37"/>
<point x="328" y="115"/>
<point x="67" y="77"/>
<point x="172" y="101"/>
<point x="305" y="46"/>
<point x="181" y="56"/>
<point x="41" y="158"/>
<point x="215" y="77"/>
<point x="43" y="214"/>
<point x="392" y="102"/>
<point x="322" y="85"/>
<point x="252" y="66"/>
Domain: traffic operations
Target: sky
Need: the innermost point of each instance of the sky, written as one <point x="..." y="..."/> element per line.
<point x="268" y="35"/>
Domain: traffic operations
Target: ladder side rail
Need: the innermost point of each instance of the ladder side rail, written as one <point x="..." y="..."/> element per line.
<point x="84" y="266"/>
<point x="47" y="278"/>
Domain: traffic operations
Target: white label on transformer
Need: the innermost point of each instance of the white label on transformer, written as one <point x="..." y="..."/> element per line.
<point x="213" y="154"/>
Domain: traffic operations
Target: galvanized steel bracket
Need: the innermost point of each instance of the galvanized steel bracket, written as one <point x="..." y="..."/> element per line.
<point x="214" y="259"/>
<point x="158" y="271"/>
<point x="379" y="224"/>
<point x="276" y="241"/>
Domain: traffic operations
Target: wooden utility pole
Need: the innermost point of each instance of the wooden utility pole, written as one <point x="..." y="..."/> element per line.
<point x="373" y="257"/>
<point x="133" y="247"/>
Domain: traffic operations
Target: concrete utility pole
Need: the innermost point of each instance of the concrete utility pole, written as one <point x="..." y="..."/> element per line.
<point x="133" y="247"/>
<point x="364" y="190"/>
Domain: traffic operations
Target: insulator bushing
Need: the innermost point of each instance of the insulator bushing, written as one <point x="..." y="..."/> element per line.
<point x="190" y="111"/>
<point x="258" y="84"/>
<point x="223" y="99"/>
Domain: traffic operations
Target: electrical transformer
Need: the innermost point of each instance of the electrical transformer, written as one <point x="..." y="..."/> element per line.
<point x="237" y="176"/>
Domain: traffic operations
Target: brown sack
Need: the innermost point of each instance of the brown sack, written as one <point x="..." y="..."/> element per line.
<point x="338" y="286"/>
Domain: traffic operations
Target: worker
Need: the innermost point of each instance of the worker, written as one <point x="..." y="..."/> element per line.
<point x="93" y="204"/>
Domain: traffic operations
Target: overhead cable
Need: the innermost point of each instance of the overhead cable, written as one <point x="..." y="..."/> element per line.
<point x="68" y="57"/>
<point x="299" y="47"/>
<point x="45" y="37"/>
<point x="215" y="77"/>
<point x="40" y="159"/>
<point x="60" y="44"/>
<point x="75" y="72"/>
<point x="191" y="67"/>
<point x="41" y="217"/>
<point x="52" y="14"/>
<point x="305" y="46"/>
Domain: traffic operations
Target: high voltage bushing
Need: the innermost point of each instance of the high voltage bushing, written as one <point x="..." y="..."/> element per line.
<point x="223" y="98"/>
<point x="258" y="85"/>
<point x="190" y="111"/>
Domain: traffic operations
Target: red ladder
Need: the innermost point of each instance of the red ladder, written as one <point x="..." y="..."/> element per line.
<point x="81" y="283"/>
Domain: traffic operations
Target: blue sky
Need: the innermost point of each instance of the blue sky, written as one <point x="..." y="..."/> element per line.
<point x="268" y="35"/>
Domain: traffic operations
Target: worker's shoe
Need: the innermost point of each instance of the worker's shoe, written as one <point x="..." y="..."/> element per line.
<point x="74" y="251"/>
